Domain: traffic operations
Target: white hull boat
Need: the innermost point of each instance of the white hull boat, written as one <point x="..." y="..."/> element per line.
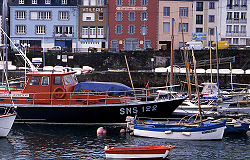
<point x="6" y="122"/>
<point x="185" y="132"/>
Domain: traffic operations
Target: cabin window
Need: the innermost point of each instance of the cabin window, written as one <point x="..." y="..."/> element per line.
<point x="45" y="81"/>
<point x="74" y="77"/>
<point x="35" y="80"/>
<point x="57" y="80"/>
<point x="68" y="80"/>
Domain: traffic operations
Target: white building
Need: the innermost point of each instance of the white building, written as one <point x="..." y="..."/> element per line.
<point x="234" y="22"/>
<point x="205" y="18"/>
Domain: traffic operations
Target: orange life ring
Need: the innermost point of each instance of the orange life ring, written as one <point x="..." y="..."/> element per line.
<point x="59" y="93"/>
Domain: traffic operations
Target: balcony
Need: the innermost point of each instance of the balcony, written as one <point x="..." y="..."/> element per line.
<point x="231" y="21"/>
<point x="236" y="34"/>
<point x="59" y="35"/>
<point x="236" y="7"/>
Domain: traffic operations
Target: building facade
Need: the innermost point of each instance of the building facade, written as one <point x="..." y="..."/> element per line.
<point x="44" y="23"/>
<point x="93" y="25"/>
<point x="206" y="19"/>
<point x="235" y="23"/>
<point x="133" y="24"/>
<point x="171" y="15"/>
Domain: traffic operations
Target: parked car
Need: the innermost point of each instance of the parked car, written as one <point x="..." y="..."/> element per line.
<point x="195" y="45"/>
<point x="55" y="49"/>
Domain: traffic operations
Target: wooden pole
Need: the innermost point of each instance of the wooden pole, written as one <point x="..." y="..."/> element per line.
<point x="196" y="84"/>
<point x="131" y="81"/>
<point x="186" y="63"/>
<point x="172" y="56"/>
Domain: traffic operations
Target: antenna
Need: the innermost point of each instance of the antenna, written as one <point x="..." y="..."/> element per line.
<point x="26" y="59"/>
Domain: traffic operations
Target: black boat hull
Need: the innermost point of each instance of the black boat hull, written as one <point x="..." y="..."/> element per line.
<point x="115" y="113"/>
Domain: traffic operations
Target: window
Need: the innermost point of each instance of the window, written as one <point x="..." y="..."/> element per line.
<point x="229" y="15"/>
<point x="131" y="29"/>
<point x="47" y="1"/>
<point x="57" y="80"/>
<point x="92" y="31"/>
<point x="21" y="1"/>
<point x="45" y="81"/>
<point x="100" y="31"/>
<point x="229" y="40"/>
<point x="118" y="29"/>
<point x="243" y="3"/>
<point x="144" y="30"/>
<point x="144" y="16"/>
<point x="100" y="2"/>
<point x="64" y="1"/>
<point x="118" y="16"/>
<point x="244" y="15"/>
<point x="131" y="16"/>
<point x="166" y="26"/>
<point x="144" y="2"/>
<point x="85" y="31"/>
<point x="236" y="2"/>
<point x="40" y="29"/>
<point x="235" y="40"/>
<point x="236" y="28"/>
<point x="35" y="80"/>
<point x="199" y="30"/>
<point x="185" y="27"/>
<point x="68" y="30"/>
<point x="183" y="11"/>
<point x="20" y="29"/>
<point x="211" y="31"/>
<point x="119" y="2"/>
<point x="43" y="15"/>
<point x="88" y="17"/>
<point x="211" y="18"/>
<point x="229" y="29"/>
<point x="20" y="15"/>
<point x="101" y="16"/>
<point x="147" y="44"/>
<point x="34" y="1"/>
<point x="199" y="6"/>
<point x="236" y="15"/>
<point x="131" y="2"/>
<point x="114" y="44"/>
<point x="63" y="15"/>
<point x="64" y="30"/>
<point x="211" y="5"/>
<point x="243" y="29"/>
<point x="166" y="11"/>
<point x="199" y="19"/>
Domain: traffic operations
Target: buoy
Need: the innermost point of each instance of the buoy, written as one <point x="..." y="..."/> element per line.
<point x="101" y="130"/>
<point x="122" y="131"/>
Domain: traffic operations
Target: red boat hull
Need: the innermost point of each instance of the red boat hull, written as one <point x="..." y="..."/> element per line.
<point x="139" y="152"/>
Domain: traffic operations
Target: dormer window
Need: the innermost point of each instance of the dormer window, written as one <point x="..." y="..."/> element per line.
<point x="21" y="1"/>
<point x="47" y="1"/>
<point x="34" y="1"/>
<point x="64" y="1"/>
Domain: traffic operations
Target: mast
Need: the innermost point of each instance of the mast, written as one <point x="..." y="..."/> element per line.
<point x="217" y="57"/>
<point x="210" y="50"/>
<point x="172" y="56"/>
<point x="186" y="63"/>
<point x="196" y="85"/>
<point x="5" y="50"/>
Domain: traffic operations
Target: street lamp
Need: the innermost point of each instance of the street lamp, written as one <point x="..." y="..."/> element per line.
<point x="144" y="33"/>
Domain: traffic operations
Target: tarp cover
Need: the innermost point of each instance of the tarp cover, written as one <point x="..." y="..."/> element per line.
<point x="113" y="89"/>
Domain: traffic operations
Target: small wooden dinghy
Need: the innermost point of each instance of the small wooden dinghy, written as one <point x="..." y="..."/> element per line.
<point x="137" y="152"/>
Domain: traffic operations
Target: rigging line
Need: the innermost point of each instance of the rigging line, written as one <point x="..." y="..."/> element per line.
<point x="32" y="67"/>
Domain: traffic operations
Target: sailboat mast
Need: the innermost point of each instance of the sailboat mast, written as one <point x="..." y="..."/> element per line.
<point x="210" y="51"/>
<point x="196" y="84"/>
<point x="186" y="63"/>
<point x="5" y="50"/>
<point x="172" y="56"/>
<point x="217" y="57"/>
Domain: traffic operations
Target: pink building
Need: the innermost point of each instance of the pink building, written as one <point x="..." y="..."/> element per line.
<point x="174" y="10"/>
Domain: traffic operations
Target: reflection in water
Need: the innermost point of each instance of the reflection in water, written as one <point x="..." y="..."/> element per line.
<point x="82" y="142"/>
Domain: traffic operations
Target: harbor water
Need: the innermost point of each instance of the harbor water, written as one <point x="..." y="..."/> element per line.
<point x="43" y="141"/>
